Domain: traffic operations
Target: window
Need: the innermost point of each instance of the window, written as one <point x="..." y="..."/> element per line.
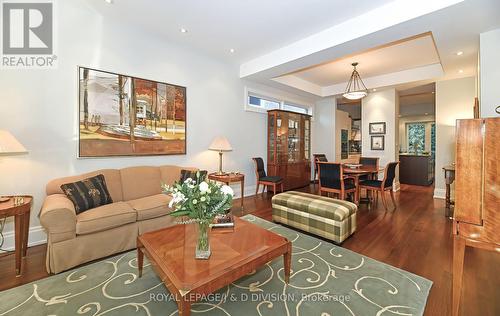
<point x="262" y="103"/>
<point x="416" y="137"/>
<point x="257" y="102"/>
<point x="295" y="108"/>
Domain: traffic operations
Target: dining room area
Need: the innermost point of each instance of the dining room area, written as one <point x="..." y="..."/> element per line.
<point x="358" y="182"/>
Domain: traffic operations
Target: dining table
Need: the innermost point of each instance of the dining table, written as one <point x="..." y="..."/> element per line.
<point x="357" y="172"/>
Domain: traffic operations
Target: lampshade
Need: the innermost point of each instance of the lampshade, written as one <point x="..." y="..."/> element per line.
<point x="220" y="144"/>
<point x="355" y="89"/>
<point x="9" y="145"/>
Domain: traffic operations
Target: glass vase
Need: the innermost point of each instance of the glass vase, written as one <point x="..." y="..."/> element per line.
<point x="203" y="240"/>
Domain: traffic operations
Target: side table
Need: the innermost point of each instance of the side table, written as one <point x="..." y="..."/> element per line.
<point x="21" y="213"/>
<point x="449" y="176"/>
<point x="230" y="178"/>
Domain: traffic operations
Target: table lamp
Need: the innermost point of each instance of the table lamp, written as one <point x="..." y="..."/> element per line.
<point x="10" y="146"/>
<point x="220" y="144"/>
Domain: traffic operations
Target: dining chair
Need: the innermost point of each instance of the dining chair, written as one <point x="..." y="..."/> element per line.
<point x="368" y="161"/>
<point x="383" y="185"/>
<point x="332" y="180"/>
<point x="318" y="158"/>
<point x="264" y="179"/>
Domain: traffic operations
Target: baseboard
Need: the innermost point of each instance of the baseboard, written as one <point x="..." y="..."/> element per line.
<point x="249" y="190"/>
<point x="439" y="193"/>
<point x="37" y="236"/>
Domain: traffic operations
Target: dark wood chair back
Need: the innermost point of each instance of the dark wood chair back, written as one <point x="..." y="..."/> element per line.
<point x="389" y="174"/>
<point x="330" y="175"/>
<point x="318" y="158"/>
<point x="369" y="161"/>
<point x="260" y="171"/>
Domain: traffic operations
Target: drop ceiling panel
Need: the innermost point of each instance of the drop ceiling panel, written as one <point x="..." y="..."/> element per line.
<point x="402" y="55"/>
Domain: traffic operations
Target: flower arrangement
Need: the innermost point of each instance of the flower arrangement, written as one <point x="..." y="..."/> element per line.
<point x="201" y="202"/>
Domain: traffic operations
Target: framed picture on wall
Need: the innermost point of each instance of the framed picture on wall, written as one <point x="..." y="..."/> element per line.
<point x="377" y="142"/>
<point x="377" y="128"/>
<point x="121" y="115"/>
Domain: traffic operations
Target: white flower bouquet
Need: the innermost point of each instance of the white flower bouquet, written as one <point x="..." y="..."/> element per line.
<point x="201" y="202"/>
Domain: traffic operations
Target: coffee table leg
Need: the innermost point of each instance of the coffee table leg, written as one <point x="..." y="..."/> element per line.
<point x="184" y="306"/>
<point x="287" y="259"/>
<point x="140" y="260"/>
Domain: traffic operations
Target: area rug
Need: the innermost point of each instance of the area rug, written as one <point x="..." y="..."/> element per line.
<point x="326" y="280"/>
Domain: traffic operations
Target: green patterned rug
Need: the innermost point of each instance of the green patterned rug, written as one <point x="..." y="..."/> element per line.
<point x="326" y="280"/>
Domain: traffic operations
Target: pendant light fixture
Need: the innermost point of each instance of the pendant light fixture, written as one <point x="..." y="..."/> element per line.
<point x="356" y="89"/>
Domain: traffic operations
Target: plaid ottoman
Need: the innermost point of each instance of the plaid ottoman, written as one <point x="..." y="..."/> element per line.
<point x="326" y="217"/>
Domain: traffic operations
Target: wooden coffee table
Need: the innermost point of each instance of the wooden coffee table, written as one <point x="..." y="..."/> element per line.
<point x="234" y="255"/>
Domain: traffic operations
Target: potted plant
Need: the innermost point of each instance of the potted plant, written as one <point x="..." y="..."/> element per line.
<point x="201" y="202"/>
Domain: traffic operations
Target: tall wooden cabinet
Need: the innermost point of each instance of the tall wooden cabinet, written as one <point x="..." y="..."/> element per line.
<point x="477" y="193"/>
<point x="289" y="147"/>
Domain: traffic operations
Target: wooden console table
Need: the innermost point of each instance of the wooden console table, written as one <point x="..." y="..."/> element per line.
<point x="449" y="176"/>
<point x="230" y="178"/>
<point x="21" y="213"/>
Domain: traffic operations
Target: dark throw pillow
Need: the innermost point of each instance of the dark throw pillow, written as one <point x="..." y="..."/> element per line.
<point x="88" y="193"/>
<point x="185" y="174"/>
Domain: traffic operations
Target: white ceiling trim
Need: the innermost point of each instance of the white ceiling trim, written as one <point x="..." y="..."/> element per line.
<point x="301" y="84"/>
<point x="405" y="76"/>
<point x="383" y="17"/>
<point x="391" y="79"/>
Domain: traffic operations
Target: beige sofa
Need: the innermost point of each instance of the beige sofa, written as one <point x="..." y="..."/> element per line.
<point x="138" y="206"/>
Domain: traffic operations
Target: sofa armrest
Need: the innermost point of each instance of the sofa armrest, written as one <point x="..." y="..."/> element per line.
<point x="58" y="217"/>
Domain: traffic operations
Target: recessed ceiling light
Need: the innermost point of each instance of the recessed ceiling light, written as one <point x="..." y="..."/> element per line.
<point x="183" y="30"/>
<point x="460" y="53"/>
<point x="433" y="92"/>
<point x="231" y="50"/>
<point x="109" y="1"/>
<point x="374" y="90"/>
<point x="460" y="71"/>
<point x="426" y="113"/>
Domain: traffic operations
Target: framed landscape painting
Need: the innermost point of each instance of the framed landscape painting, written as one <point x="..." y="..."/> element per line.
<point x="377" y="143"/>
<point x="377" y="128"/>
<point x="121" y="115"/>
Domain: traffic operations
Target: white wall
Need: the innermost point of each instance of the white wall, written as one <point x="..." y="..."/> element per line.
<point x="40" y="106"/>
<point x="323" y="129"/>
<point x="489" y="72"/>
<point x="454" y="100"/>
<point x="381" y="106"/>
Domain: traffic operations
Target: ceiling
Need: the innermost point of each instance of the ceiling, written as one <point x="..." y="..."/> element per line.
<point x="389" y="58"/>
<point x="420" y="100"/>
<point x="251" y="28"/>
<point x="306" y="46"/>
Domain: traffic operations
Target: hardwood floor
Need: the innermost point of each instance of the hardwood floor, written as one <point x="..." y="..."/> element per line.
<point x="416" y="237"/>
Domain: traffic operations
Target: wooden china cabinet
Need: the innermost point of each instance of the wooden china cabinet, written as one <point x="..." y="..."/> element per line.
<point x="476" y="221"/>
<point x="289" y="147"/>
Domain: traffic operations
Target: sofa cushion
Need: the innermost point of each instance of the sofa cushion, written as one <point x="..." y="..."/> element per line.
<point x="88" y="193"/>
<point x="112" y="176"/>
<point x="193" y="174"/>
<point x="139" y="182"/>
<point x="151" y="206"/>
<point x="105" y="217"/>
<point x="171" y="174"/>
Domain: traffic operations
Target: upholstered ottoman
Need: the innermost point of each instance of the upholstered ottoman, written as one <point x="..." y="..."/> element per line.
<point x="326" y="217"/>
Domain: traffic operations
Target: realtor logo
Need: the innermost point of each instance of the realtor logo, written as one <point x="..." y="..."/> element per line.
<point x="28" y="34"/>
